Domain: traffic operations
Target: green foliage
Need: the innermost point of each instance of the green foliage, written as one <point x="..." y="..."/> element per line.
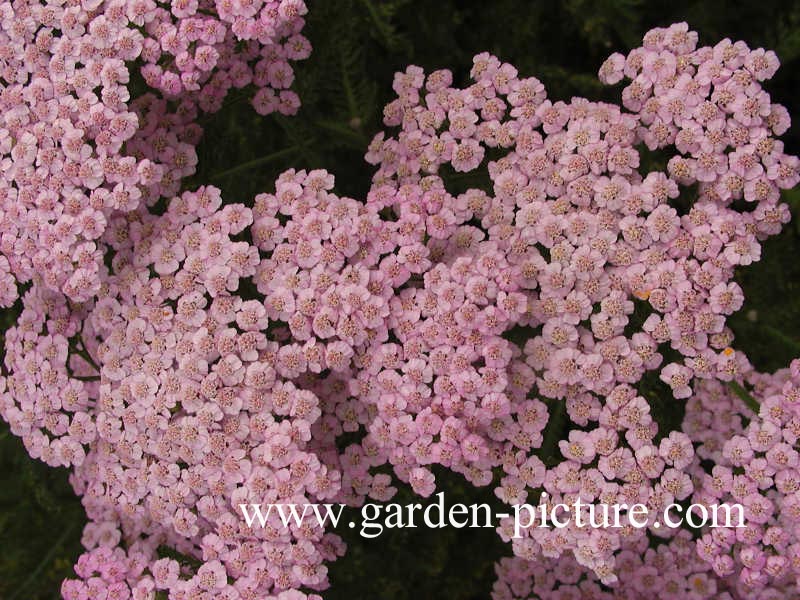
<point x="40" y="524"/>
<point x="411" y="564"/>
<point x="358" y="45"/>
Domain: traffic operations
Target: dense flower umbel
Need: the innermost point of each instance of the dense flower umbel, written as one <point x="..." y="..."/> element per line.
<point x="755" y="463"/>
<point x="223" y="351"/>
<point x="196" y="409"/>
<point x="76" y="145"/>
<point x="608" y="270"/>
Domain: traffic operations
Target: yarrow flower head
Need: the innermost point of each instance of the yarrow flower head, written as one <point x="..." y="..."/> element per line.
<point x="76" y="147"/>
<point x="610" y="268"/>
<point x="219" y="353"/>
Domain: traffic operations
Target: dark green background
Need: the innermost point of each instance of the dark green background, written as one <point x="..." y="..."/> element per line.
<point x="358" y="45"/>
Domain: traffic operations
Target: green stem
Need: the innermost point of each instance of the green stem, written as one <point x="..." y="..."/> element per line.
<point x="356" y="139"/>
<point x="779" y="335"/>
<point x="80" y="350"/>
<point x="553" y="433"/>
<point x="88" y="358"/>
<point x="348" y="88"/>
<point x="44" y="562"/>
<point x="379" y="25"/>
<point x="255" y="163"/>
<point x="744" y="396"/>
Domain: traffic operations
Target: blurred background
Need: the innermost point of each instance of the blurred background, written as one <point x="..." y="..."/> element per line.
<point x="358" y="45"/>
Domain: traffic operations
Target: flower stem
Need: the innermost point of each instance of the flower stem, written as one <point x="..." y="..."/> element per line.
<point x="44" y="562"/>
<point x="744" y="396"/>
<point x="255" y="163"/>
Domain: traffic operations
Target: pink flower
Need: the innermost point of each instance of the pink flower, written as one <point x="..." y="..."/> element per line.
<point x="422" y="481"/>
<point x="678" y="378"/>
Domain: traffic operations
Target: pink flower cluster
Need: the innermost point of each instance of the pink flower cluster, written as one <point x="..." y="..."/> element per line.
<point x="186" y="399"/>
<point x="754" y="460"/>
<point x="221" y="352"/>
<point x="670" y="571"/>
<point x="609" y="275"/>
<point x="77" y="146"/>
<point x="755" y="463"/>
<point x="116" y="574"/>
